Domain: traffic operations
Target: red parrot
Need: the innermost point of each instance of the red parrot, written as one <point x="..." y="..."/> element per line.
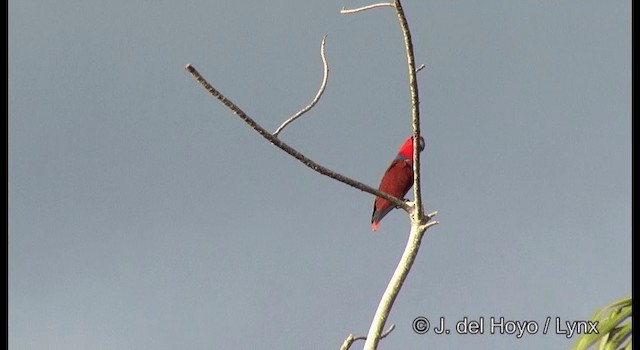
<point x="396" y="181"/>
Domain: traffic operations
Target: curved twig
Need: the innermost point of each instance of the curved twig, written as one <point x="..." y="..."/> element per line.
<point x="315" y="100"/>
<point x="344" y="11"/>
<point x="351" y="339"/>
<point x="290" y="150"/>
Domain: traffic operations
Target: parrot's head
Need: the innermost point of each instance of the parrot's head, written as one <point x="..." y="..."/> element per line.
<point x="407" y="147"/>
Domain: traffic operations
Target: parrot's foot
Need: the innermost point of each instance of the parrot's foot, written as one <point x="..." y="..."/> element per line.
<point x="406" y="200"/>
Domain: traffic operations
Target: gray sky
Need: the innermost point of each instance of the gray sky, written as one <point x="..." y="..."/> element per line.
<point x="144" y="215"/>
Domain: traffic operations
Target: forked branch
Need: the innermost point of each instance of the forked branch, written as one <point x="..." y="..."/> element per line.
<point x="351" y="338"/>
<point x="419" y="221"/>
<point x="290" y="150"/>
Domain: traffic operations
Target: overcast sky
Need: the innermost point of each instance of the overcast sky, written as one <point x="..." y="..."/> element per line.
<point x="145" y="215"/>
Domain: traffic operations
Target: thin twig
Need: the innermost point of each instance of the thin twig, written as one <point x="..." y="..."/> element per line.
<point x="429" y="222"/>
<point x="290" y="150"/>
<point x="351" y="339"/>
<point x="344" y="11"/>
<point x="422" y="66"/>
<point x="315" y="100"/>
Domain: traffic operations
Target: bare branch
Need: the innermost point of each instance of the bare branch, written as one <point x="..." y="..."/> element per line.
<point x="315" y="100"/>
<point x="419" y="223"/>
<point x="393" y="288"/>
<point x="422" y="66"/>
<point x="290" y="150"/>
<point x="351" y="339"/>
<point x="364" y="8"/>
<point x="418" y="214"/>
